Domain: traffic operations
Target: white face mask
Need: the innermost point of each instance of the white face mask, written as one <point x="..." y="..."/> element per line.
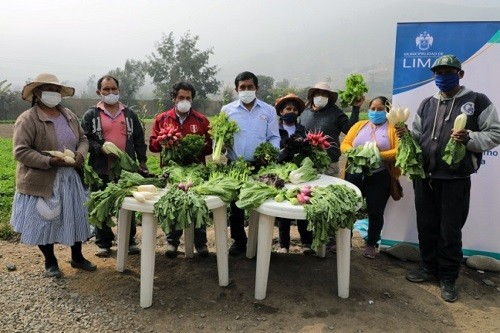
<point x="183" y="106"/>
<point x="246" y="96"/>
<point x="110" y="99"/>
<point x="320" y="101"/>
<point x="50" y="98"/>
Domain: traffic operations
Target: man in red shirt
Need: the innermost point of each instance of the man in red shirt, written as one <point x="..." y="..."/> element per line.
<point x="188" y="121"/>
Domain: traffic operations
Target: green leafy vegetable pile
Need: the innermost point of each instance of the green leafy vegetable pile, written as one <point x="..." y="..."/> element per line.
<point x="305" y="173"/>
<point x="178" y="209"/>
<point x="103" y="205"/>
<point x="355" y="87"/>
<point x="331" y="208"/>
<point x="254" y="193"/>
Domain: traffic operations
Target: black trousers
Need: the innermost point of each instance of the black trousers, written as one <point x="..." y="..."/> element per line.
<point x="237" y="225"/>
<point x="376" y="189"/>
<point x="306" y="236"/>
<point x="104" y="237"/>
<point x="200" y="237"/>
<point x="442" y="207"/>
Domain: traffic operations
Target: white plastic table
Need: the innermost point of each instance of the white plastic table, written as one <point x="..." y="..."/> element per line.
<point x="261" y="224"/>
<point x="148" y="245"/>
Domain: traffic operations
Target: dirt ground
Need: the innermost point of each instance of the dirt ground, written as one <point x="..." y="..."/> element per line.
<point x="301" y="293"/>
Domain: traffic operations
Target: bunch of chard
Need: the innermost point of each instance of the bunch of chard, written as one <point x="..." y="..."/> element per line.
<point x="178" y="209"/>
<point x="454" y="151"/>
<point x="363" y="159"/>
<point x="409" y="155"/>
<point x="169" y="138"/>
<point x="331" y="208"/>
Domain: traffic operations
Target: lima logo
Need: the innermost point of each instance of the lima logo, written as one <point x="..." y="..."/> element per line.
<point x="424" y="41"/>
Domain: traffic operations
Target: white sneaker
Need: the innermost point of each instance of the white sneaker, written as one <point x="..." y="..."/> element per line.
<point x="171" y="250"/>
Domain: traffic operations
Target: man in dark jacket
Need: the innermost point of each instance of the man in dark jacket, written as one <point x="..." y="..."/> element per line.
<point x="110" y="120"/>
<point x="442" y="198"/>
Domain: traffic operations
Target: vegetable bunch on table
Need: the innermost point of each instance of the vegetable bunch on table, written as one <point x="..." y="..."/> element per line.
<point x="331" y="208"/>
<point x="103" y="205"/>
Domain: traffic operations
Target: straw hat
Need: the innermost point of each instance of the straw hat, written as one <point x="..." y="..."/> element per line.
<point x="291" y="97"/>
<point x="322" y="86"/>
<point x="42" y="79"/>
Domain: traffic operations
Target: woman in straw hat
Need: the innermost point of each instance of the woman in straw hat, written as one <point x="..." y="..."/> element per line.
<point x="321" y="114"/>
<point x="49" y="201"/>
<point x="289" y="108"/>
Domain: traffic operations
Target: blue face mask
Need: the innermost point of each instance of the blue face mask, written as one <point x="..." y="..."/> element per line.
<point x="289" y="118"/>
<point x="377" y="117"/>
<point x="447" y="82"/>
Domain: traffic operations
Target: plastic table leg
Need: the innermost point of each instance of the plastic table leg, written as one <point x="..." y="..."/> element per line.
<point x="124" y="219"/>
<point x="149" y="225"/>
<point x="189" y="241"/>
<point x="220" y="227"/>
<point x="266" y="225"/>
<point x="253" y="229"/>
<point x="343" y="261"/>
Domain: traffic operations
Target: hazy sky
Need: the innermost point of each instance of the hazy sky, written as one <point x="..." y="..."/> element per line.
<point x="303" y="41"/>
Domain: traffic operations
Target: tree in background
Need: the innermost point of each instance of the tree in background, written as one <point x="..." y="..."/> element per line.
<point x="131" y="79"/>
<point x="227" y="94"/>
<point x="90" y="88"/>
<point x="7" y="97"/>
<point x="266" y="85"/>
<point x="182" y="61"/>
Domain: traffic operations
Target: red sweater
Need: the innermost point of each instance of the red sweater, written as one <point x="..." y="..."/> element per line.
<point x="195" y="123"/>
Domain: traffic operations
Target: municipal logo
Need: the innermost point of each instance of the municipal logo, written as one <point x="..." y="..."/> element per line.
<point x="424" y="41"/>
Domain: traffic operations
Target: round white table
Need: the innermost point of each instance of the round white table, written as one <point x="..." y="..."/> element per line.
<point x="260" y="231"/>
<point x="148" y="245"/>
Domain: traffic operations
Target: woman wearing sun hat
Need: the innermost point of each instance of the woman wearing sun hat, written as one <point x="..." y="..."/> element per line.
<point x="289" y="108"/>
<point x="322" y="114"/>
<point x="48" y="205"/>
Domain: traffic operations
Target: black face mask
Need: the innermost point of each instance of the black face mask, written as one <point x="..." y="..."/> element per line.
<point x="290" y="118"/>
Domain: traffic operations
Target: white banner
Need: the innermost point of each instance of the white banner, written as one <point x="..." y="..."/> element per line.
<point x="477" y="45"/>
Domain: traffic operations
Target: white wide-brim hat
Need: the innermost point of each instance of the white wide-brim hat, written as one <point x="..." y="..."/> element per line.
<point x="325" y="87"/>
<point x="42" y="79"/>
